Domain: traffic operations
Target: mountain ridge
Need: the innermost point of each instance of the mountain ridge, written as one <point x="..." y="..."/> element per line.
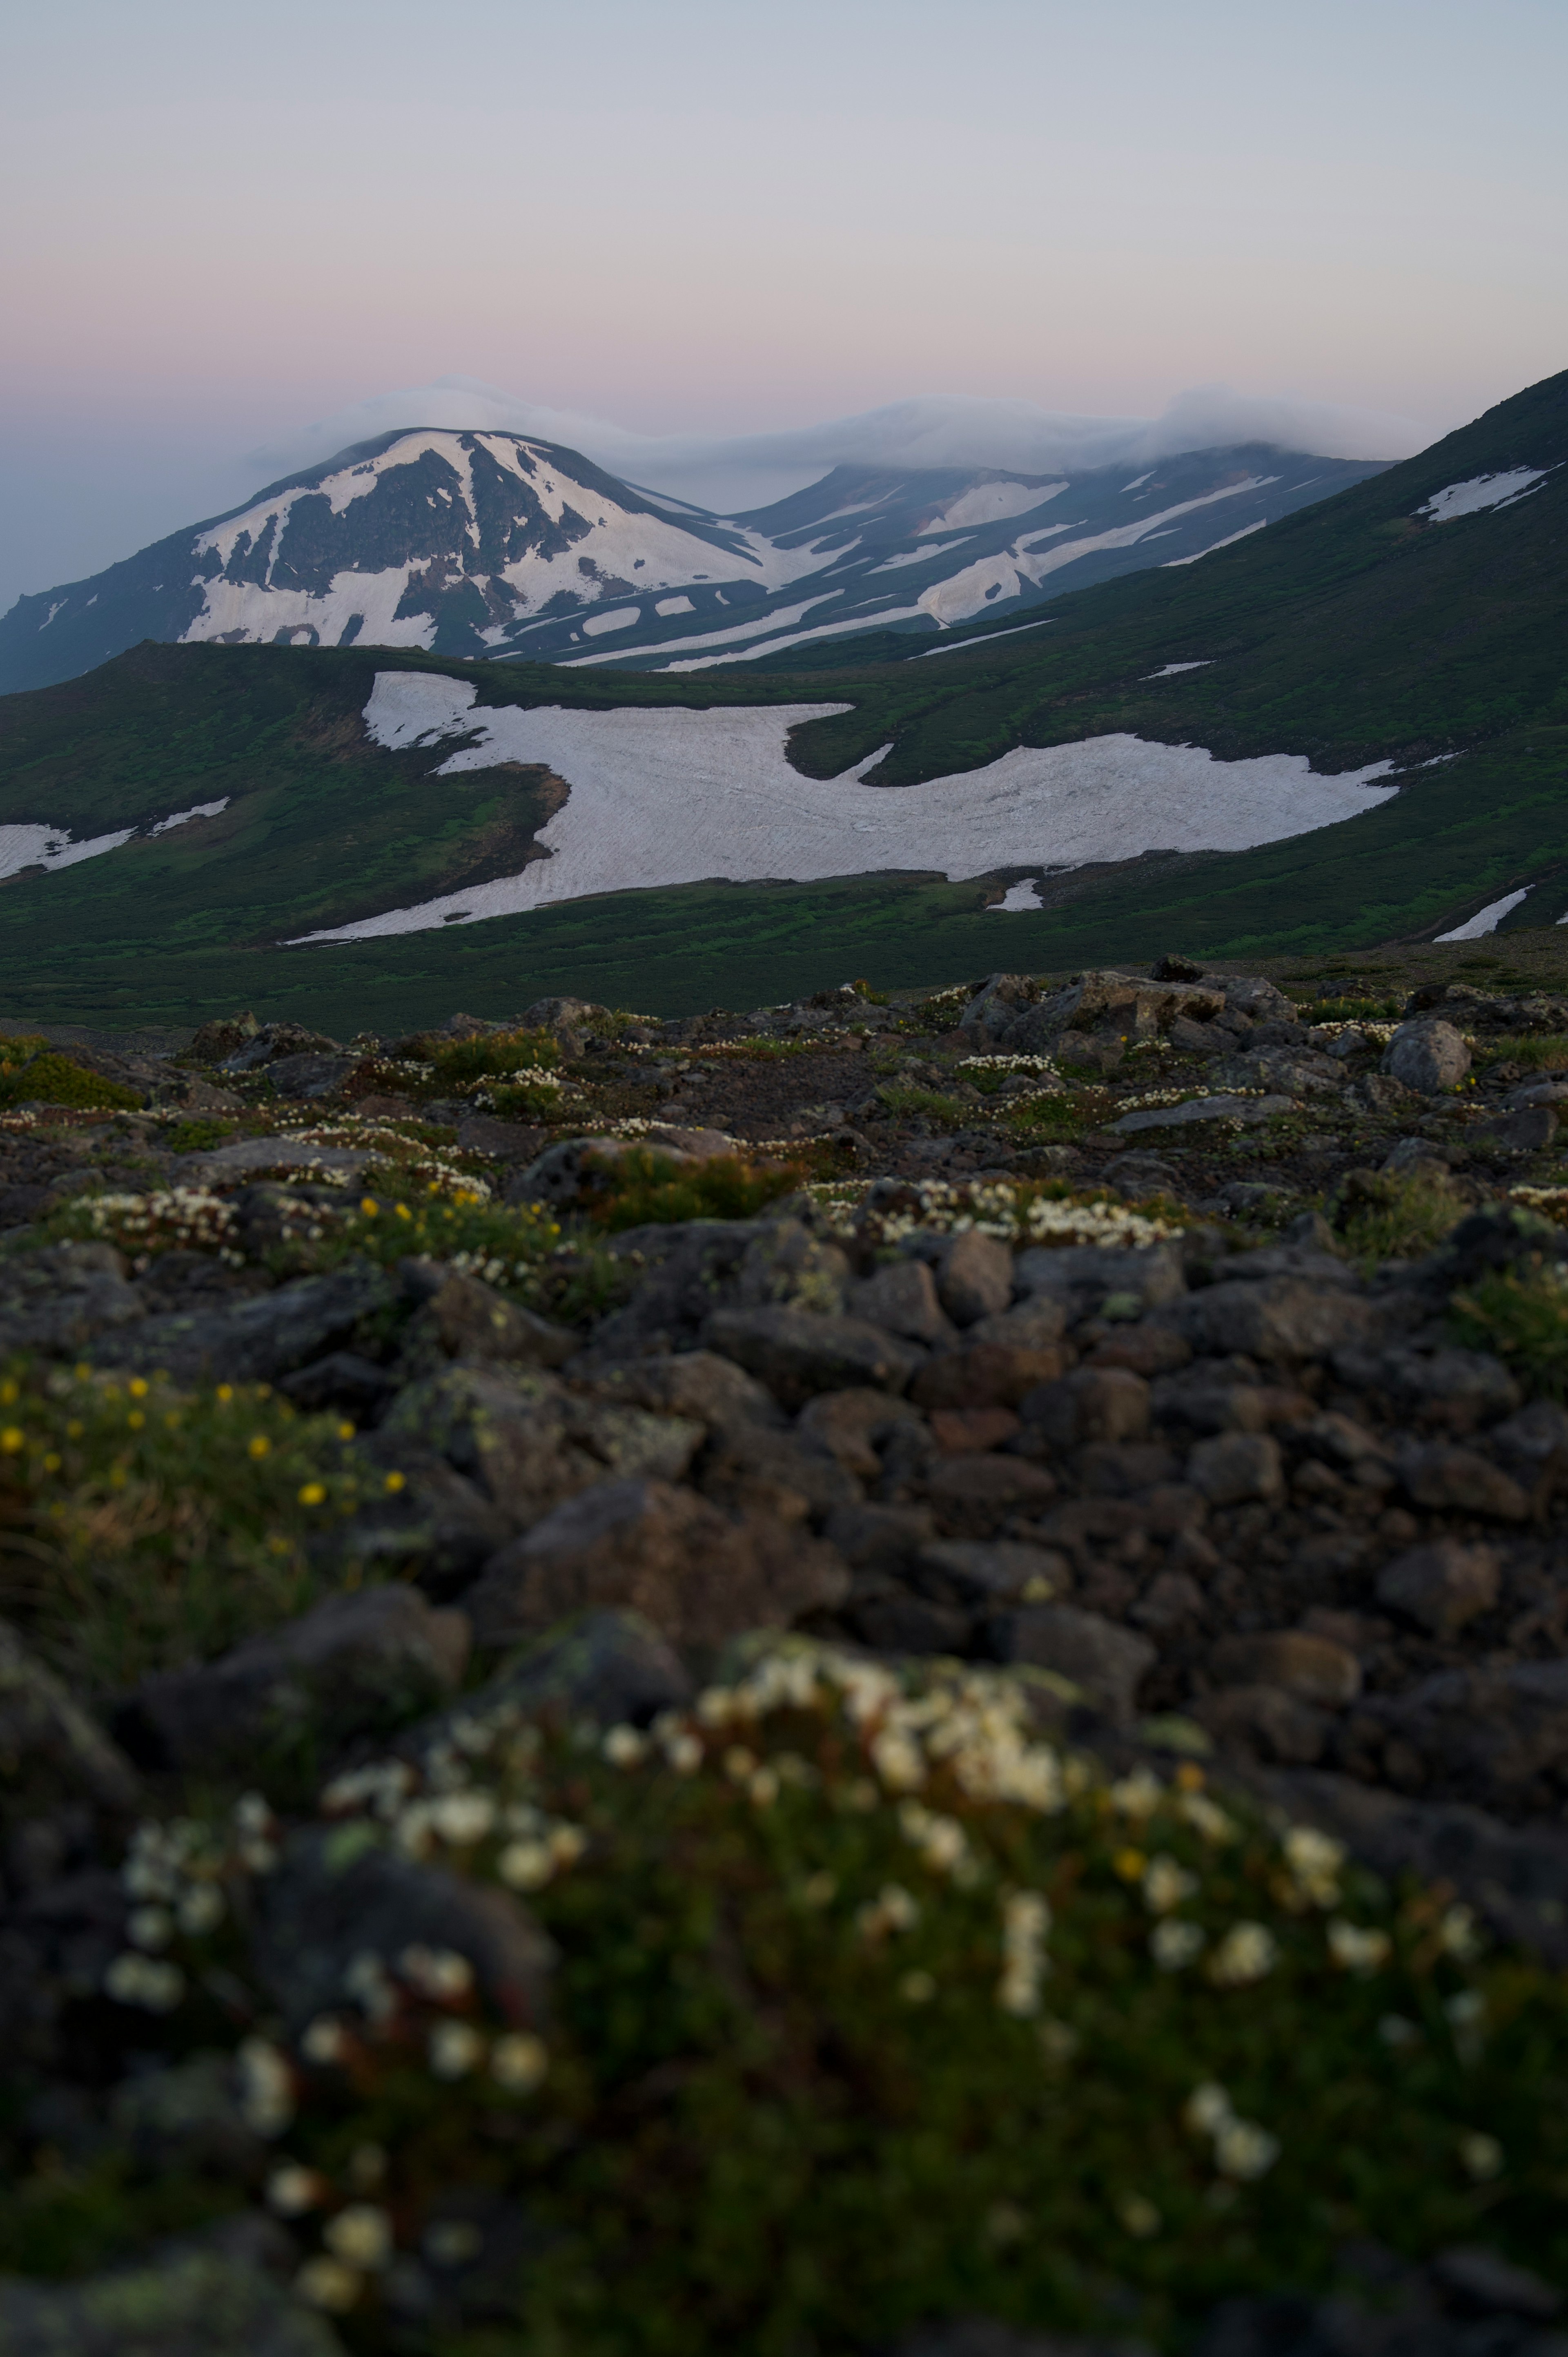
<point x="487" y="543"/>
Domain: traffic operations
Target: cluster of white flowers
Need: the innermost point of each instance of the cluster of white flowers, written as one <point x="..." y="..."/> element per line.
<point x="1025" y="1927"/>
<point x="174" y="1873"/>
<point x="997" y="1208"/>
<point x="188" y="1219"/>
<point x="1248" y="1952"/>
<point x="1004" y="1064"/>
<point x="1243" y="2150"/>
<point x="438" y="1174"/>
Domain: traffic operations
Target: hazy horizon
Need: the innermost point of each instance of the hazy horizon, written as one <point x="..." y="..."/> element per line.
<point x="705" y="224"/>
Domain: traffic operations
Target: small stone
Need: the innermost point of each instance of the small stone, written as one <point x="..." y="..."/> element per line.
<point x="1427" y="1055"/>
<point x="1458" y="1478"/>
<point x="1264" y="1720"/>
<point x="971" y="1572"/>
<point x="1313" y="1668"/>
<point x="357" y="1663"/>
<point x="901" y="1623"/>
<point x="1529" y="1130"/>
<point x="797" y="1353"/>
<point x="1091" y="1403"/>
<point x="984" y="1375"/>
<point x="1172" y="1600"/>
<point x="470" y="1320"/>
<point x="976" y="1279"/>
<point x="847" y="1425"/>
<point x="1278" y="1319"/>
<point x="649" y="1548"/>
<point x="972" y="1495"/>
<point x="1487" y="2280"/>
<point x="902" y="1299"/>
<point x="1235" y="1466"/>
<point x="957" y="1431"/>
<point x="1443" y="1586"/>
<point x="1106" y="1662"/>
<point x="696" y="1383"/>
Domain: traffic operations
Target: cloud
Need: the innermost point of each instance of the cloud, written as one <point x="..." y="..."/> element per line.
<point x="732" y="473"/>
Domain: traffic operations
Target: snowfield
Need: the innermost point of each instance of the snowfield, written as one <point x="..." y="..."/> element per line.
<point x="1480" y="493"/>
<point x="677" y="797"/>
<point x="51" y="846"/>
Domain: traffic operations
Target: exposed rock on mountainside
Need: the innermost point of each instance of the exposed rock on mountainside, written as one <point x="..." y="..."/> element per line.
<point x="477" y="543"/>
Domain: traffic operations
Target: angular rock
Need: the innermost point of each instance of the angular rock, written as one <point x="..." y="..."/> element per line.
<point x="1457" y="1388"/>
<point x="971" y="1572"/>
<point x="468" y="1319"/>
<point x="342" y="1380"/>
<point x="529" y="1442"/>
<point x="359" y="1664"/>
<point x="665" y="1553"/>
<point x="1267" y="1721"/>
<point x="1443" y="1586"/>
<point x="1315" y="1669"/>
<point x="613" y="1667"/>
<point x="222" y="1164"/>
<point x="902" y="1299"/>
<point x="503" y="1141"/>
<point x="797" y="1353"/>
<point x="258" y="1340"/>
<point x="1091" y="1403"/>
<point x="1534" y="1439"/>
<point x="785" y="1266"/>
<point x="1459" y="1479"/>
<point x="989" y="1374"/>
<point x="1081" y="1277"/>
<point x="1484" y="2280"/>
<point x="1529" y="1129"/>
<point x="973" y="1496"/>
<point x="1106" y="1662"/>
<point x="311" y="1075"/>
<point x="52" y="1753"/>
<point x="62" y="1300"/>
<point x="749" y="1468"/>
<point x="697" y="1385"/>
<point x="847" y="1425"/>
<point x="341" y="1891"/>
<point x="1427" y="1055"/>
<point x="1280" y="1319"/>
<point x="1250" y="1112"/>
<point x="1237" y="1466"/>
<point x="976" y="1278"/>
<point x="1493" y="1730"/>
<point x="432" y="1526"/>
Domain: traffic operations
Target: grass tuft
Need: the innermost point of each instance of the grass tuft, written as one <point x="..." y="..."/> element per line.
<point x="1522" y="1315"/>
<point x="49" y="1078"/>
<point x="643" y="1189"/>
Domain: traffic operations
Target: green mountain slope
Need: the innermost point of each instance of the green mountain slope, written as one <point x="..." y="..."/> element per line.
<point x="1352" y="631"/>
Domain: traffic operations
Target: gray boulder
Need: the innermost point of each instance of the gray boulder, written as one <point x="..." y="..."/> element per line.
<point x="1427" y="1055"/>
<point x="186" y="2302"/>
<point x="256" y="1339"/>
<point x="357" y="1664"/>
<point x="665" y="1553"/>
<point x="1105" y="1663"/>
<point x="795" y="1352"/>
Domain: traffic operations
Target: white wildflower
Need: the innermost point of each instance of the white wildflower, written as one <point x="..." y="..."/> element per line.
<point x="456" y="2047"/>
<point x="266" y="2086"/>
<point x="519" y="2063"/>
<point x="1248" y="1952"/>
<point x="1355" y="1950"/>
<point x="1175" y="1944"/>
<point x="1166" y="1884"/>
<point x="361" y="2235"/>
<point x="328" y="2284"/>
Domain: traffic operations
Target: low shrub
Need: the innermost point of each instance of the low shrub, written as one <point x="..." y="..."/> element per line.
<point x="1545" y="1051"/>
<point x="912" y="1104"/>
<point x="872" y="2004"/>
<point x="1393" y="1215"/>
<point x="1351" y="1010"/>
<point x="493" y="1055"/>
<point x="144" y="1526"/>
<point x="198" y="1135"/>
<point x="526" y="1100"/>
<point x="49" y="1078"/>
<point x="1522" y="1315"/>
<point x="646" y="1188"/>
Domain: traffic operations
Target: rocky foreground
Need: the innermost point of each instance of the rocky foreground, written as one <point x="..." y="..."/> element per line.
<point x="1194" y="1359"/>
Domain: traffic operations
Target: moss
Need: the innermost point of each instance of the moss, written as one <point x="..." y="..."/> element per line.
<point x="1394" y="1215"/>
<point x="642" y="1189"/>
<point x="1522" y="1315"/>
<point x="49" y="1078"/>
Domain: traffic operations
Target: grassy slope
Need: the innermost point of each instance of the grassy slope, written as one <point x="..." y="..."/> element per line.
<point x="1346" y="633"/>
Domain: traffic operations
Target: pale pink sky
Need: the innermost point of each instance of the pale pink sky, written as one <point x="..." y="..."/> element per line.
<point x="727" y="215"/>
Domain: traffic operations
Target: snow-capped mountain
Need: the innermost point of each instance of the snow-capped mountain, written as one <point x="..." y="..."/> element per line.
<point x="492" y="544"/>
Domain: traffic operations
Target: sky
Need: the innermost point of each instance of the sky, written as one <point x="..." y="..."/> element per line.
<point x="229" y="228"/>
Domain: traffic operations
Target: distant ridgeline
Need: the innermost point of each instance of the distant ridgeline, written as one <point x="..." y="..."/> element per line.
<point x="1346" y="728"/>
<point x="494" y="544"/>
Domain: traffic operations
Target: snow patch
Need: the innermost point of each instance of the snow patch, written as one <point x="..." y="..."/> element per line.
<point x="984" y="639"/>
<point x="1487" y="919"/>
<point x="920" y="556"/>
<point x="992" y="504"/>
<point x="1229" y="541"/>
<point x="1136" y="483"/>
<point x="621" y="619"/>
<point x="51" y="846"/>
<point x="671" y="797"/>
<point x="1481" y="491"/>
<point x="1004" y="575"/>
<point x="674" y="606"/>
<point x="54" y="609"/>
<point x="1171" y="670"/>
<point x="1018" y="897"/>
